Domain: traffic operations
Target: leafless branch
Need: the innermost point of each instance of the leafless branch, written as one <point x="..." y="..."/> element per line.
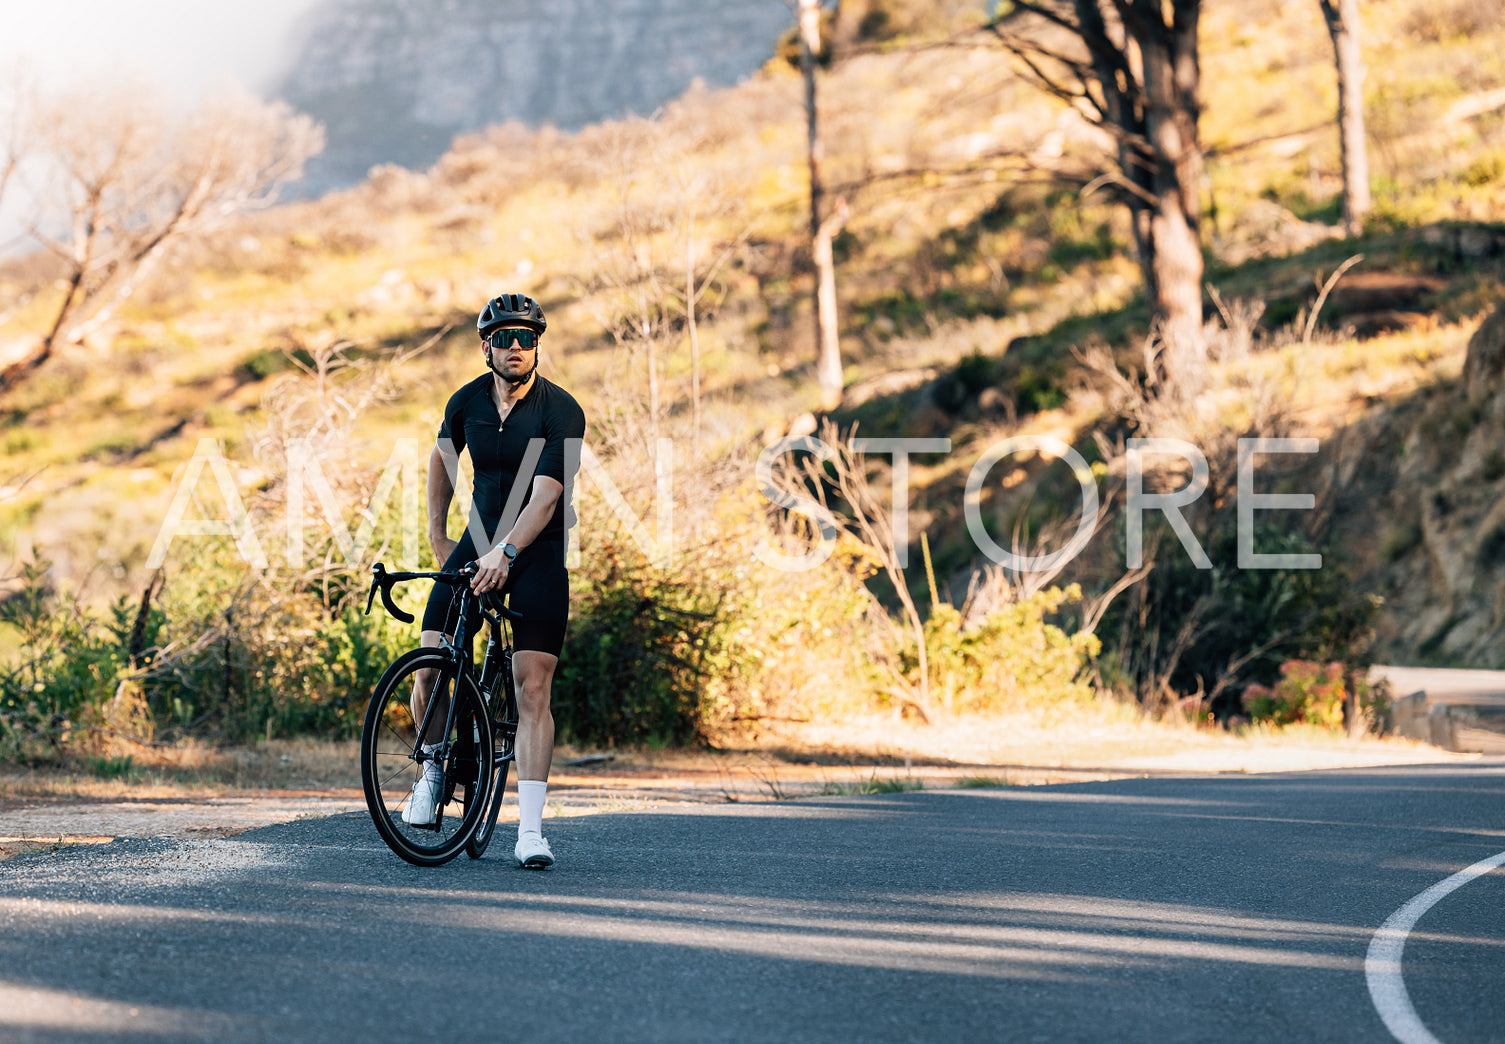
<point x="120" y="181"/>
<point x="1094" y="611"/>
<point x="1332" y="281"/>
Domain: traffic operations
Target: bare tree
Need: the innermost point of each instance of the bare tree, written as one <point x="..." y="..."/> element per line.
<point x="825" y="221"/>
<point x="1132" y="67"/>
<point x="1342" y="18"/>
<point x="16" y="118"/>
<point x="630" y="285"/>
<point x="119" y="183"/>
<point x="866" y="519"/>
<point x="659" y="247"/>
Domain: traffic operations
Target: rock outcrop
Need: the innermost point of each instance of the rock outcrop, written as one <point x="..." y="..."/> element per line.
<point x="395" y="80"/>
<point x="1484" y="365"/>
<point x="1434" y="468"/>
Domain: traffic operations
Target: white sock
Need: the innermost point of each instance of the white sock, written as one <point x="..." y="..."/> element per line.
<point x="431" y="768"/>
<point x="530" y="798"/>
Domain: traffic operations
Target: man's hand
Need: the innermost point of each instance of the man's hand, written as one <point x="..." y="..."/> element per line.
<point x="491" y="572"/>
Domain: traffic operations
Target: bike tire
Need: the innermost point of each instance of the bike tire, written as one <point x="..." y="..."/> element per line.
<point x="388" y="768"/>
<point x="504" y="713"/>
<point x="477" y="845"/>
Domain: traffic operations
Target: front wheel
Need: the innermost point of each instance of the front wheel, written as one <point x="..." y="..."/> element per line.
<point x="391" y="765"/>
<point x="504" y="712"/>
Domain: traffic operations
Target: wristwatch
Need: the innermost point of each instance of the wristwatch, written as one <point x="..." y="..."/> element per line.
<point x="510" y="550"/>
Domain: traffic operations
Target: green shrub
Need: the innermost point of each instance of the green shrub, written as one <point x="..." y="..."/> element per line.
<point x="1399" y="540"/>
<point x="1011" y="658"/>
<point x="975" y="372"/>
<point x="1186" y="630"/>
<point x="69" y="662"/>
<point x="1037" y="389"/>
<point x="892" y="785"/>
<point x="261" y="364"/>
<point x="1307" y="693"/>
<point x="113" y="767"/>
<point x="303" y="672"/>
<point x="1068" y="251"/>
<point x="219" y="654"/>
<point x="636" y="661"/>
<point x="982" y="782"/>
<point x="1484" y="170"/>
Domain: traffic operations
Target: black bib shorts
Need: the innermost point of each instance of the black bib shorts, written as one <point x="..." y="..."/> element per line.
<point x="538" y="587"/>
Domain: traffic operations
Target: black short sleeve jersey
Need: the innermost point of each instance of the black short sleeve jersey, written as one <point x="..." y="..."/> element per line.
<point x="536" y="433"/>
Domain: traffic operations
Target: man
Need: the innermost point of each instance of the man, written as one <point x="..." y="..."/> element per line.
<point x="516" y="424"/>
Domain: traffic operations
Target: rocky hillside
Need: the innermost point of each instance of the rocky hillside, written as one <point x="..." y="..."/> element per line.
<point x="964" y="286"/>
<point x="395" y="80"/>
<point x="1426" y="483"/>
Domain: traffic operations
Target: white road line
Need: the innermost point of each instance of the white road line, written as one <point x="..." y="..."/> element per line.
<point x="1382" y="965"/>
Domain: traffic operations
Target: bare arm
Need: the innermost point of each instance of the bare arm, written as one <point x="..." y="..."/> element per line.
<point x="537" y="514"/>
<point x="440" y="491"/>
<point x="494" y="566"/>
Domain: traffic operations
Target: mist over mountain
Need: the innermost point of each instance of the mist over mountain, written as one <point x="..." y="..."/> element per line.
<point x="395" y="80"/>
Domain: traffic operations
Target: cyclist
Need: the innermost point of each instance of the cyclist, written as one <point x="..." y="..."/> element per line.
<point x="516" y="424"/>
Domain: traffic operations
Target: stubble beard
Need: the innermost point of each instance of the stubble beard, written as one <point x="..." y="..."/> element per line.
<point x="514" y="381"/>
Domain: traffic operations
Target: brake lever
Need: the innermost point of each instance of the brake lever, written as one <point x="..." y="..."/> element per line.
<point x="378" y="571"/>
<point x="380" y="582"/>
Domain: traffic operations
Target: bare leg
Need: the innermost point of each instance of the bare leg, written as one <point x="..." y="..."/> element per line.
<point x="533" y="672"/>
<point x="423" y="685"/>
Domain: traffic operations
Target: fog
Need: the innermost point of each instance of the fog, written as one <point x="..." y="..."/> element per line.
<point x="188" y="48"/>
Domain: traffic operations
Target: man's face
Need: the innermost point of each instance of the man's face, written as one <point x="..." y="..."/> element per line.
<point x="506" y="356"/>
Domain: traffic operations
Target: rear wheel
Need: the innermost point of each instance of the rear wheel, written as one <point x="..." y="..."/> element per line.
<point x="504" y="713"/>
<point x="391" y="762"/>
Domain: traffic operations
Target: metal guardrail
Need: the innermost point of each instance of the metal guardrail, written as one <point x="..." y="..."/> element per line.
<point x="1457" y="710"/>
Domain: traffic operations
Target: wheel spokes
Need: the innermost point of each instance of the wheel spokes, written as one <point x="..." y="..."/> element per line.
<point x="393" y="766"/>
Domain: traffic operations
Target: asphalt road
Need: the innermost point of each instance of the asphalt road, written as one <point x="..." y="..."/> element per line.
<point x="1227" y="908"/>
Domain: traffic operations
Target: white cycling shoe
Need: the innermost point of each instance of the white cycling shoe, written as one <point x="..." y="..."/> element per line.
<point x="422" y="802"/>
<point x="533" y="852"/>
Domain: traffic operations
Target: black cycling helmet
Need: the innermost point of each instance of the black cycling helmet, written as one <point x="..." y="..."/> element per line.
<point x="511" y="308"/>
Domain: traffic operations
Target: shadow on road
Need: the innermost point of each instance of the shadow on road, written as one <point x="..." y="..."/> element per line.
<point x="1142" y="909"/>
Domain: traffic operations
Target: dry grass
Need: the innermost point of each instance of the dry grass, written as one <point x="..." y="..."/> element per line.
<point x="1270" y="92"/>
<point x="1329" y="383"/>
<point x="1050" y="745"/>
<point x="192" y="769"/>
<point x="1105" y="739"/>
<point x="301" y="269"/>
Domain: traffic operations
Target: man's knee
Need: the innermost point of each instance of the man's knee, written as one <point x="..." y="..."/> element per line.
<point x="535" y="679"/>
<point x="533" y="695"/>
<point x="423" y="680"/>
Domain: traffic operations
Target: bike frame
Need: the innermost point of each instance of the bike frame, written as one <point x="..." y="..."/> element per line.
<point x="456" y="648"/>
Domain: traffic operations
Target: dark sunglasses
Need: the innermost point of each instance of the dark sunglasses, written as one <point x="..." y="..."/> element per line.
<point x="501" y="340"/>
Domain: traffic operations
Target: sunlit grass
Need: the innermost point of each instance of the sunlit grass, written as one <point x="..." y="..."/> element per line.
<point x="983" y="782"/>
<point x="891" y="785"/>
<point x="133" y="770"/>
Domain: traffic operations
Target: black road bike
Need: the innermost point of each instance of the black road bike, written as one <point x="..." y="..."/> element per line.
<point x="479" y="734"/>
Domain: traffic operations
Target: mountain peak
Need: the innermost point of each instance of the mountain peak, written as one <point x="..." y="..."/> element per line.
<point x="395" y="80"/>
